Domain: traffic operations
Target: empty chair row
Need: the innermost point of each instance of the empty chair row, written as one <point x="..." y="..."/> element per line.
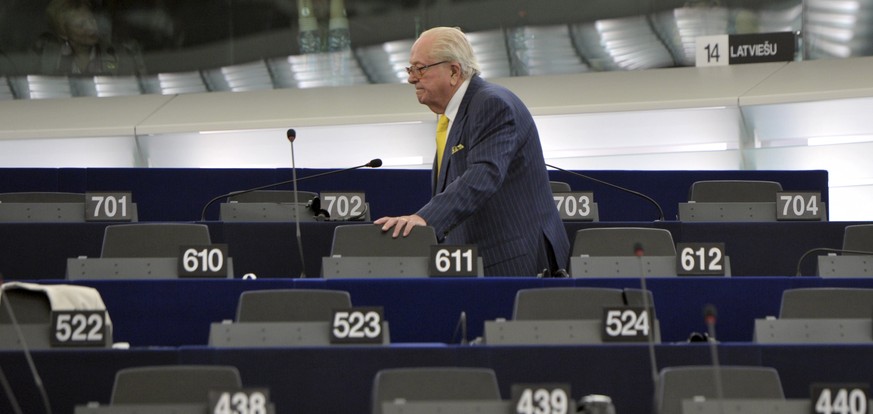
<point x="710" y="200"/>
<point x="432" y="389"/>
<point x="365" y="251"/>
<point x="319" y="317"/>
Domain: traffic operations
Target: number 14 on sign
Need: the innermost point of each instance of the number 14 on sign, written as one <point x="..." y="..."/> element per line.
<point x="712" y="51"/>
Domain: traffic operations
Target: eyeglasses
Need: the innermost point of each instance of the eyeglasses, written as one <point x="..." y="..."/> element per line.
<point x="418" y="71"/>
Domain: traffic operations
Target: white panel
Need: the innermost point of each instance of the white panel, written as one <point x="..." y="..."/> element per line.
<point x="286" y="108"/>
<point x="613" y="133"/>
<point x="76" y="117"/>
<point x="400" y="145"/>
<point x="800" y="121"/>
<point x="850" y="173"/>
<point x="814" y="80"/>
<point x="851" y="203"/>
<point x="60" y="152"/>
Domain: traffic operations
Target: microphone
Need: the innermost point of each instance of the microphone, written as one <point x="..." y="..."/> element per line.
<point x="374" y="163"/>
<point x="636" y="193"/>
<point x="292" y="135"/>
<point x="825" y="249"/>
<point x="462" y="327"/>
<point x="709" y="316"/>
<point x="639" y="252"/>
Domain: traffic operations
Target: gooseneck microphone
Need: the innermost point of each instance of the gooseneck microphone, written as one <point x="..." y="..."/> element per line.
<point x="709" y="316"/>
<point x="627" y="190"/>
<point x="639" y="252"/>
<point x="461" y="328"/>
<point x="374" y="163"/>
<point x="828" y="250"/>
<point x="292" y="135"/>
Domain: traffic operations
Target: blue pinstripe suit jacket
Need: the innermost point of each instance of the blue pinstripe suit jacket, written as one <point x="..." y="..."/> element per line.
<point x="493" y="189"/>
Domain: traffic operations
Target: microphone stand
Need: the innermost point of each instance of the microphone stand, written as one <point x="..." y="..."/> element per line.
<point x="627" y="190"/>
<point x="372" y="164"/>
<point x="828" y="250"/>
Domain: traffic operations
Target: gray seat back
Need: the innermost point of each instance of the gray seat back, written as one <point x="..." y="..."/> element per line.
<point x="734" y="191"/>
<point x="678" y="383"/>
<point x="290" y="305"/>
<point x="433" y="384"/>
<point x="827" y="303"/>
<point x="172" y="384"/>
<point x="151" y="239"/>
<point x="559" y="187"/>
<point x="272" y="196"/>
<point x="622" y="241"/>
<point x="28" y="307"/>
<point x="858" y="237"/>
<point x="573" y="303"/>
<point x="42" y="197"/>
<point x="368" y="240"/>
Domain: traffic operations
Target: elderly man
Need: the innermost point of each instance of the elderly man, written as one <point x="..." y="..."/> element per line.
<point x="490" y="185"/>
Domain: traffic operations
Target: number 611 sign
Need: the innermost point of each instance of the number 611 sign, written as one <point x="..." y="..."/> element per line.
<point x="453" y="260"/>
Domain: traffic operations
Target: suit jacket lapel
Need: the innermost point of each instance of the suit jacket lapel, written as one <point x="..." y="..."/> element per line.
<point x="454" y="136"/>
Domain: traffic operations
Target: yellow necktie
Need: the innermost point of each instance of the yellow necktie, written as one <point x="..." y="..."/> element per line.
<point x="442" y="132"/>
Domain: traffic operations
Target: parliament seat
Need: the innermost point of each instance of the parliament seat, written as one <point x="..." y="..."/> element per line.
<point x="623" y="252"/>
<point x="368" y="240"/>
<point x="686" y="382"/>
<point x="827" y="303"/>
<point x="623" y="241"/>
<point x="172" y="384"/>
<point x="290" y="305"/>
<point x="567" y="316"/>
<point x="151" y="239"/>
<point x="283" y="318"/>
<point x="559" y="187"/>
<point x="45" y="207"/>
<point x="272" y="196"/>
<point x="26" y="312"/>
<point x="433" y="384"/>
<point x="734" y="191"/>
<point x="28" y="307"/>
<point x="42" y="197"/>
<point x="858" y="237"/>
<point x="573" y="303"/>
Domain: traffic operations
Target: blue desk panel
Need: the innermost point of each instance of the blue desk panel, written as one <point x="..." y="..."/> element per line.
<point x="338" y="380"/>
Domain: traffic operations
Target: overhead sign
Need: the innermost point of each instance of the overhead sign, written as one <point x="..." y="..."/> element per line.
<point x="723" y="50"/>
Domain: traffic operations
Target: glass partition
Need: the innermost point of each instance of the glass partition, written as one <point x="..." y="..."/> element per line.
<point x="52" y="48"/>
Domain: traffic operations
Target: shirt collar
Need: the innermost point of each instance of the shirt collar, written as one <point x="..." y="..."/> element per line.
<point x="455" y="102"/>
